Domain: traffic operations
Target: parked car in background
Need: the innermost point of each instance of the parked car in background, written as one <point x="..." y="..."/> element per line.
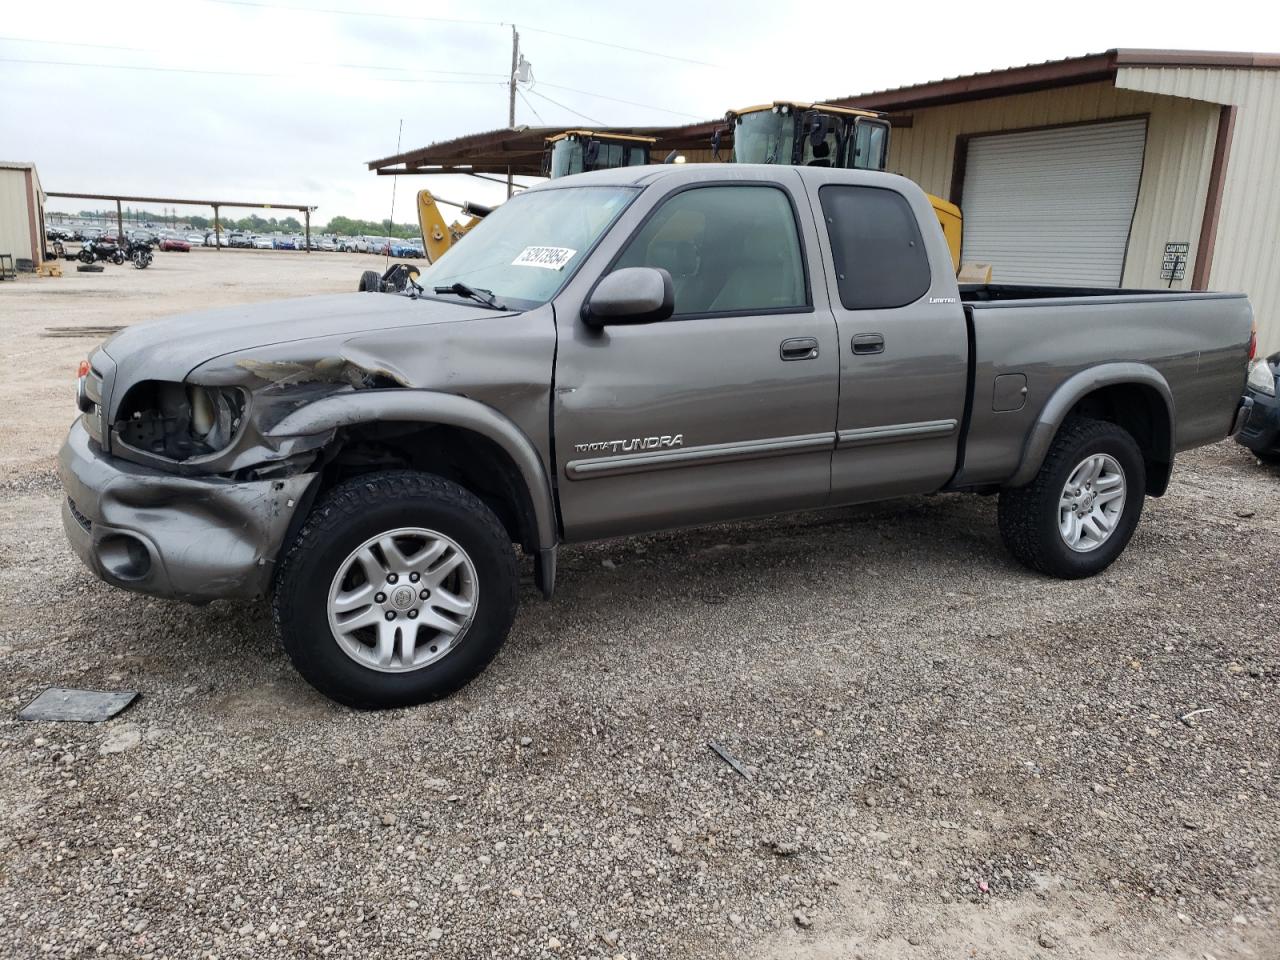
<point x="195" y="240"/>
<point x="328" y="243"/>
<point x="404" y="248"/>
<point x="1261" y="433"/>
<point x="176" y="244"/>
<point x="239" y="240"/>
<point x="211" y="239"/>
<point x="284" y="243"/>
<point x="263" y="243"/>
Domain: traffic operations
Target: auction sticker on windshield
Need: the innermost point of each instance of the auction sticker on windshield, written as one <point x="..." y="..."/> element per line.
<point x="549" y="258"/>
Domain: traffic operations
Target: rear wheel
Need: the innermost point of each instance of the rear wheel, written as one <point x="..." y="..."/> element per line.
<point x="400" y="588"/>
<point x="1080" y="511"/>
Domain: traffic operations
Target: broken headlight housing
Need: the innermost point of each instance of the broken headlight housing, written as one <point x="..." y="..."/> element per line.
<point x="179" y="421"/>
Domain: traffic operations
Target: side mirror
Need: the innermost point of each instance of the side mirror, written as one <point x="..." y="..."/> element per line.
<point x="631" y="295"/>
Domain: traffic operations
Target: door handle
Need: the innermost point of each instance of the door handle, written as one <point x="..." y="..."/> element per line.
<point x="868" y="343"/>
<point x="798" y="348"/>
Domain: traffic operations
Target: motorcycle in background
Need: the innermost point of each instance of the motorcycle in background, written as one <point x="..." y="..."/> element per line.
<point x="139" y="253"/>
<point x="94" y="250"/>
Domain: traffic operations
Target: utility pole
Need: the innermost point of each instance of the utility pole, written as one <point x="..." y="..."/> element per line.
<point x="511" y="102"/>
<point x="515" y="65"/>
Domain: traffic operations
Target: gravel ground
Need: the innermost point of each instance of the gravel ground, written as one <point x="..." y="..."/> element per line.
<point x="948" y="755"/>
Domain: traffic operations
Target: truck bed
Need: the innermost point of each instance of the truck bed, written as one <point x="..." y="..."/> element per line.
<point x="1033" y="338"/>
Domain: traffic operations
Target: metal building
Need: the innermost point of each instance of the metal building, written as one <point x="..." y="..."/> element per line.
<point x="21" y="212"/>
<point x="1135" y="168"/>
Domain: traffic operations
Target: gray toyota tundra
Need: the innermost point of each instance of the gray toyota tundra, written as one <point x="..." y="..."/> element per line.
<point x="616" y="353"/>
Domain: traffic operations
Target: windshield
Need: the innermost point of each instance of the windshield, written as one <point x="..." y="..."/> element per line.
<point x="528" y="247"/>
<point x="566" y="157"/>
<point x="763" y="137"/>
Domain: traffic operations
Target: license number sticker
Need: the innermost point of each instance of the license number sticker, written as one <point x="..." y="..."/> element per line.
<point x="549" y="258"/>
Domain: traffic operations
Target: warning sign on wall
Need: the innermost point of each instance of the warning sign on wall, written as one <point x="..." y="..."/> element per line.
<point x="1174" y="266"/>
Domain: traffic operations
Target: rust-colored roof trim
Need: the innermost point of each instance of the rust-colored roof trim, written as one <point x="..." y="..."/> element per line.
<point x="1091" y="68"/>
<point x="1196" y="58"/>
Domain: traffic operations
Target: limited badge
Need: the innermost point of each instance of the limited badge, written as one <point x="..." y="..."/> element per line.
<point x="549" y="258"/>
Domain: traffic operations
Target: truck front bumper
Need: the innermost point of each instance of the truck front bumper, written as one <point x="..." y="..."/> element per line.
<point x="184" y="538"/>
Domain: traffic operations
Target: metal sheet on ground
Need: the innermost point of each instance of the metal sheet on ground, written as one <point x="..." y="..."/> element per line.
<point x="78" y="706"/>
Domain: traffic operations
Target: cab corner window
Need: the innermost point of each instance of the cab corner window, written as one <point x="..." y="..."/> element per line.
<point x="876" y="245"/>
<point x="729" y="249"/>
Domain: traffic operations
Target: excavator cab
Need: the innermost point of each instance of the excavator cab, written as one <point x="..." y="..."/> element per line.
<point x="580" y="151"/>
<point x="824" y="135"/>
<point x="810" y="134"/>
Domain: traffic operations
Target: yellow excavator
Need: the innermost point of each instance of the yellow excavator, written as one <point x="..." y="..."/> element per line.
<point x="570" y="152"/>
<point x="823" y="135"/>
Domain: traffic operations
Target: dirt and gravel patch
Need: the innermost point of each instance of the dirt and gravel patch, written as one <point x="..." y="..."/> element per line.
<point x="949" y="756"/>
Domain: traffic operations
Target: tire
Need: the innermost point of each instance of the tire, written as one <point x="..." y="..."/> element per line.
<point x="85" y="256"/>
<point x="1030" y="516"/>
<point x="117" y="258"/>
<point x="349" y="519"/>
<point x="370" y="282"/>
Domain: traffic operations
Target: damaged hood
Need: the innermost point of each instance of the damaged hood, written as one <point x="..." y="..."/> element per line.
<point x="170" y="349"/>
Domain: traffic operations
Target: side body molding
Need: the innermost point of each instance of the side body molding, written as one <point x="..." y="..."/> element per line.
<point x="1070" y="392"/>
<point x="427" y="406"/>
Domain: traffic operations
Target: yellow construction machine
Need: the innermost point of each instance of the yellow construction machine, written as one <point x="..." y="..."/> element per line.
<point x="580" y="151"/>
<point x="573" y="151"/>
<point x="823" y="135"/>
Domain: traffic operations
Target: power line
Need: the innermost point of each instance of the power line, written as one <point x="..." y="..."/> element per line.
<point x="305" y="63"/>
<point x="531" y="106"/>
<point x="260" y="4"/>
<point x="576" y="113"/>
<point x="618" y="46"/>
<point x="631" y="103"/>
<point x="226" y="73"/>
<point x="356" y="13"/>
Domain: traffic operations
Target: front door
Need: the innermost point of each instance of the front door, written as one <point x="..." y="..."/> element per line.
<point x="728" y="408"/>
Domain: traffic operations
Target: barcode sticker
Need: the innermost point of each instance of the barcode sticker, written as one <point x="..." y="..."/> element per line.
<point x="549" y="258"/>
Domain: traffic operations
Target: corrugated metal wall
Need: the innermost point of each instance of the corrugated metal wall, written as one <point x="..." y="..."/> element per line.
<point x="1175" y="176"/>
<point x="15" y="227"/>
<point x="1247" y="252"/>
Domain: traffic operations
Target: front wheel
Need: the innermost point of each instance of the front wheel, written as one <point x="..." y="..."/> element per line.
<point x="85" y="256"/>
<point x="1080" y="511"/>
<point x="400" y="588"/>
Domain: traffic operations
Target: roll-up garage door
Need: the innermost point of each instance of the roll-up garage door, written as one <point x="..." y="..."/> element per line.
<point x="1053" y="206"/>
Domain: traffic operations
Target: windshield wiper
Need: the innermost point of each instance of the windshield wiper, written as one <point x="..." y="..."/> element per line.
<point x="478" y="294"/>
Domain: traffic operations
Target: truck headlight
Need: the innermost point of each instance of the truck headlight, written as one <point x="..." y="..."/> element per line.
<point x="1262" y="378"/>
<point x="179" y="421"/>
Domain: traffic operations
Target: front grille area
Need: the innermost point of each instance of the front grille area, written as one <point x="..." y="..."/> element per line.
<point x="81" y="519"/>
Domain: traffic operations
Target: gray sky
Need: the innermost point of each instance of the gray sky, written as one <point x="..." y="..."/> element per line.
<point x="337" y="84"/>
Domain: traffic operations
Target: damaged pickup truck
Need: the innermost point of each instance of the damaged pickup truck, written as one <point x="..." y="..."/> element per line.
<point x="609" y="354"/>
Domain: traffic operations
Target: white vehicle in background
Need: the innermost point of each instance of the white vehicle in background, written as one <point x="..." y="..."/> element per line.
<point x="263" y="243"/>
<point x="195" y="239"/>
<point x="328" y="243"/>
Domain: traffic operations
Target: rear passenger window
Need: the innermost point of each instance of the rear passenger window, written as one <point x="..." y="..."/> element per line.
<point x="728" y="249"/>
<point x="877" y="247"/>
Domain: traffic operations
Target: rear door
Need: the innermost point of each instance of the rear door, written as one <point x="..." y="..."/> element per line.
<point x="902" y="335"/>
<point x="728" y="408"/>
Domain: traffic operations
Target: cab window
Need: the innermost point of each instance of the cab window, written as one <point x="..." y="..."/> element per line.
<point x="729" y="249"/>
<point x="876" y="245"/>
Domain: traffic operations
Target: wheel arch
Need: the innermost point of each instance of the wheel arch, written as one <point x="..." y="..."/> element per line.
<point x="500" y="450"/>
<point x="1131" y="395"/>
